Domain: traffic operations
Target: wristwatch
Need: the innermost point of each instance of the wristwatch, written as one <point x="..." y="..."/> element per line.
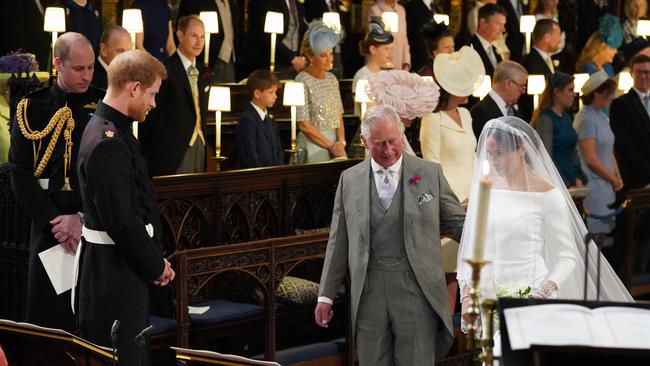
<point x="342" y="142"/>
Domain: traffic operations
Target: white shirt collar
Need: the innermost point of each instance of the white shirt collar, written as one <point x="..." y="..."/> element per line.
<point x="393" y="168"/>
<point x="101" y="62"/>
<point x="259" y="111"/>
<point x="184" y="60"/>
<point x="641" y="94"/>
<point x="483" y="41"/>
<point x="428" y="4"/>
<point x="545" y="56"/>
<point x="499" y="101"/>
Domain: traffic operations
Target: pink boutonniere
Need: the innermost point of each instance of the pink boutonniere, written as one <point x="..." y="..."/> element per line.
<point x="415" y="179"/>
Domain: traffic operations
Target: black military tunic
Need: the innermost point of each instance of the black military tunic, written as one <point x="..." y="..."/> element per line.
<point x="44" y="307"/>
<point x="118" y="198"/>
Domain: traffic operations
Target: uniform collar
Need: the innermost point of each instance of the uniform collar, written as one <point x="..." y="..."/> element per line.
<point x="122" y="122"/>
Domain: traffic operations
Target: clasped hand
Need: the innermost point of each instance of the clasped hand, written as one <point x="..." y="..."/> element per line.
<point x="67" y="231"/>
<point x="337" y="149"/>
<point x="167" y="275"/>
<point x="545" y="291"/>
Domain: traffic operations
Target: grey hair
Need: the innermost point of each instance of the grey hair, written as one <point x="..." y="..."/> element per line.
<point x="378" y="114"/>
<point x="508" y="70"/>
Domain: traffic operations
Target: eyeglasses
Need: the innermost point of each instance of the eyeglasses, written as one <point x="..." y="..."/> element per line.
<point x="522" y="86"/>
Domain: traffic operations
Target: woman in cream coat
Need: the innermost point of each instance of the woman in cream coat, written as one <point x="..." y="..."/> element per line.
<point x="446" y="135"/>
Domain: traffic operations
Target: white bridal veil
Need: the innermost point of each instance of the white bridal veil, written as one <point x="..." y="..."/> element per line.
<point x="535" y="235"/>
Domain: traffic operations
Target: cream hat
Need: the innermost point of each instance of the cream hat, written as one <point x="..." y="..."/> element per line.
<point x="595" y="80"/>
<point x="457" y="72"/>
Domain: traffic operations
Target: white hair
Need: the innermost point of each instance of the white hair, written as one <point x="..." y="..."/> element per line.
<point x="380" y="114"/>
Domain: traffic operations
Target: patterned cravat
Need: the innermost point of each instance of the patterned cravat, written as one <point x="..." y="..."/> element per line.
<point x="510" y="111"/>
<point x="646" y="102"/>
<point x="387" y="186"/>
<point x="193" y="75"/>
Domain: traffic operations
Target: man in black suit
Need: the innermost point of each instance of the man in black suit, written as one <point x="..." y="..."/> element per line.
<point x="288" y="61"/>
<point x="114" y="41"/>
<point x="508" y="84"/>
<point x="515" y="39"/>
<point x="225" y="45"/>
<point x="418" y="13"/>
<point x="258" y="138"/>
<point x="630" y="122"/>
<point x="546" y="38"/>
<point x="174" y="134"/>
<point x="491" y="24"/>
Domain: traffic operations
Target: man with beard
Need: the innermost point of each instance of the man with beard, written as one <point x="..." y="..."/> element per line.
<point x="45" y="140"/>
<point x="120" y="253"/>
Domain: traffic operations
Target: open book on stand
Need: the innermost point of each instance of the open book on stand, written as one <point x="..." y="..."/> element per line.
<point x="576" y="325"/>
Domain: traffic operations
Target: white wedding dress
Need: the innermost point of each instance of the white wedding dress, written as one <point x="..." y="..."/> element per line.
<point x="516" y="255"/>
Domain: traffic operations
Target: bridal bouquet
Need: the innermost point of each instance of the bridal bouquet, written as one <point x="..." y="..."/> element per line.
<point x="514" y="290"/>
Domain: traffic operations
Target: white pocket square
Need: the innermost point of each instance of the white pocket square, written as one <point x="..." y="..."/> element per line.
<point x="424" y="198"/>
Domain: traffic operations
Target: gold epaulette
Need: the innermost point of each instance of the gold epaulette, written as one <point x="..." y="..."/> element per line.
<point x="62" y="117"/>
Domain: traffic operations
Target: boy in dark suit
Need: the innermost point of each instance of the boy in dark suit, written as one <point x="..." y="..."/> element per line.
<point x="258" y="138"/>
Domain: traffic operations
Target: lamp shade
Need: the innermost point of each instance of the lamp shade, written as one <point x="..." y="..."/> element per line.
<point x="578" y="81"/>
<point x="482" y="86"/>
<point x="294" y="93"/>
<point x="625" y="81"/>
<point x="132" y="20"/>
<point x="274" y="22"/>
<point x="210" y="21"/>
<point x="219" y="99"/>
<point x="441" y="18"/>
<point x="332" y="19"/>
<point x="536" y="84"/>
<point x="390" y="19"/>
<point x="360" y="92"/>
<point x="54" y="20"/>
<point x="527" y="23"/>
<point x="643" y="28"/>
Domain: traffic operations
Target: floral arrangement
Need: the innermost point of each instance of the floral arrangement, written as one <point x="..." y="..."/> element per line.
<point x="409" y="94"/>
<point x="512" y="290"/>
<point x="17" y="62"/>
<point x="610" y="30"/>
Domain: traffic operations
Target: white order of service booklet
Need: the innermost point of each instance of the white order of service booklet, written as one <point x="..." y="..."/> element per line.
<point x="576" y="325"/>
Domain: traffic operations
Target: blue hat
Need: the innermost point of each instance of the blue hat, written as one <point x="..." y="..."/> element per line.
<point x="610" y="30"/>
<point x="321" y="37"/>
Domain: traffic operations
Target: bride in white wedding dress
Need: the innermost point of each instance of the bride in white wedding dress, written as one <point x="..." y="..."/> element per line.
<point x="534" y="236"/>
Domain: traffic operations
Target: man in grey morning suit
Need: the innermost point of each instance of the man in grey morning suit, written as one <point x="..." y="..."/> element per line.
<point x="386" y="232"/>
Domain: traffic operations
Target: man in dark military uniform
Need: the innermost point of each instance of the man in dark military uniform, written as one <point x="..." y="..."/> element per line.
<point x="120" y="253"/>
<point x="45" y="140"/>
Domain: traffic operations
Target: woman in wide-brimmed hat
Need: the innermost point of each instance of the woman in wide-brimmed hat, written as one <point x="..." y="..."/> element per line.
<point x="446" y="135"/>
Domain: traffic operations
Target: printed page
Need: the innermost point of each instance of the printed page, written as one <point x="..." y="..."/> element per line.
<point x="220" y="356"/>
<point x="552" y="324"/>
<point x="628" y="327"/>
<point x="59" y="266"/>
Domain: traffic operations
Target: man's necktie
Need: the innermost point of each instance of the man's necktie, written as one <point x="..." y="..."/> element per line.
<point x="646" y="103"/>
<point x="549" y="63"/>
<point x="193" y="76"/>
<point x="510" y="110"/>
<point x="387" y="187"/>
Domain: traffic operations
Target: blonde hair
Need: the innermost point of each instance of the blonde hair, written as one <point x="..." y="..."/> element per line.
<point x="591" y="49"/>
<point x="628" y="8"/>
<point x="134" y="65"/>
